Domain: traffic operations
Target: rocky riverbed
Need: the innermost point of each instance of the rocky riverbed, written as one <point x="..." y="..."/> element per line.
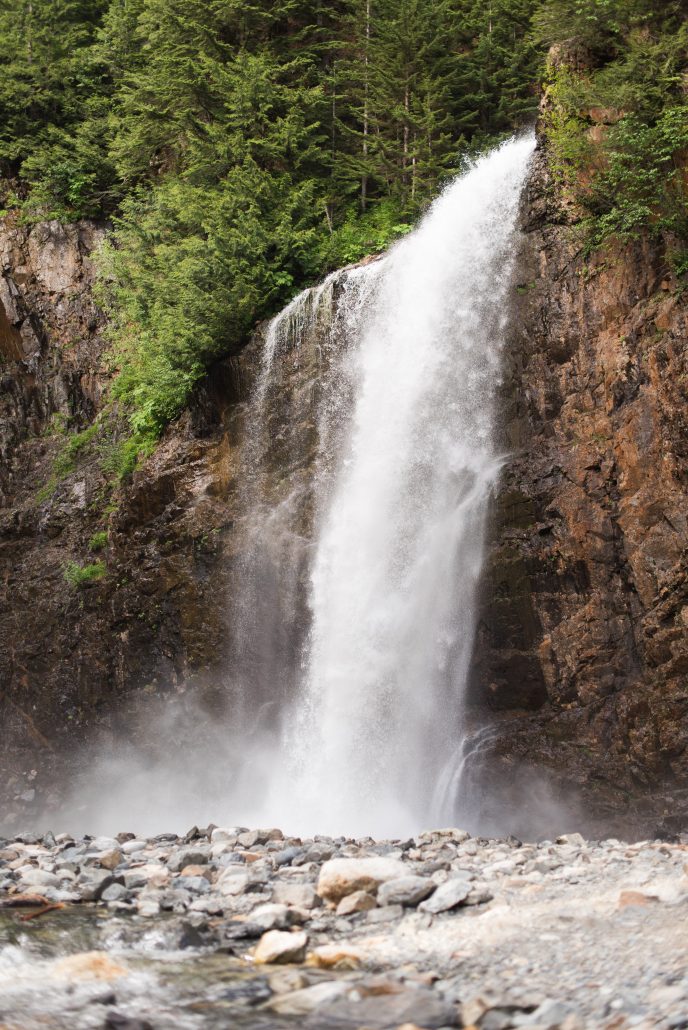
<point x="231" y="927"/>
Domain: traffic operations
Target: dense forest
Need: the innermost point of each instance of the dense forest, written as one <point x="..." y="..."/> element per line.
<point x="241" y="148"/>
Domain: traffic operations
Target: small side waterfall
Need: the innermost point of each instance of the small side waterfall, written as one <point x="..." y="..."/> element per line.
<point x="372" y="458"/>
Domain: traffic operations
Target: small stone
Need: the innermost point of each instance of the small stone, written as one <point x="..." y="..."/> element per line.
<point x="283" y="981"/>
<point x="385" y="915"/>
<point x="115" y="892"/>
<point x="449" y="835"/>
<point x="447" y="896"/>
<point x="572" y="838"/>
<point x="224" y="834"/>
<point x="38" y="878"/>
<point x="103" y="844"/>
<point x="286" y="856"/>
<point x="407" y="891"/>
<point x="301" y="1002"/>
<point x="279" y="946"/>
<point x="232" y="882"/>
<point x="335" y="956"/>
<point x="419" y="1006"/>
<point x="478" y="896"/>
<point x="359" y="901"/>
<point x="248" y="839"/>
<point x="193" y="884"/>
<point x="636" y="897"/>
<point x="147" y="907"/>
<point x="197" y="870"/>
<point x="271" y="917"/>
<point x="188" y="856"/>
<point x="550" y="1014"/>
<point x="300" y="895"/>
<point x="110" y="859"/>
<point x="131" y="847"/>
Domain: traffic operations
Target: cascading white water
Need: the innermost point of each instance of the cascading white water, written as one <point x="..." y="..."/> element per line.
<point x="405" y="462"/>
<point x="358" y="507"/>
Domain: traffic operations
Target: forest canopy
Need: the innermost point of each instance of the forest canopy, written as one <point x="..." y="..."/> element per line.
<point x="241" y="148"/>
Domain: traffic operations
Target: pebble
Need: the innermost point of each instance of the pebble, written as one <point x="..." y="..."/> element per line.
<point x="300" y="895"/>
<point x="359" y="901"/>
<point x="447" y="896"/>
<point x="278" y="946"/>
<point x="407" y="890"/>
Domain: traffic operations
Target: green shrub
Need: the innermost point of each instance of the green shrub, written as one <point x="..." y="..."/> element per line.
<point x="121" y="457"/>
<point x="98" y="541"/>
<point x="65" y="461"/>
<point x="81" y="575"/>
<point x="628" y="177"/>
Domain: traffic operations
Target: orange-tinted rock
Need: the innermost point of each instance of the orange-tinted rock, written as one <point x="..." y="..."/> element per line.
<point x="582" y="636"/>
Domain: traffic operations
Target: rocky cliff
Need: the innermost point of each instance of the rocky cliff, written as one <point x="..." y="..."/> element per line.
<point x="582" y="644"/>
<point x="73" y="652"/>
<point x="582" y="647"/>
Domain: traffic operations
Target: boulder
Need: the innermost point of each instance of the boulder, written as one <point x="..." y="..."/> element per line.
<point x="342" y="876"/>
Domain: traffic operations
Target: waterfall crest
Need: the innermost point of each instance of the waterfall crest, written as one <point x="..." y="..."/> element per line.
<point x="376" y="401"/>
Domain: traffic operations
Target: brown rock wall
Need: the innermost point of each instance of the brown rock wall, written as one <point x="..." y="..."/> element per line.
<point x="582" y="637"/>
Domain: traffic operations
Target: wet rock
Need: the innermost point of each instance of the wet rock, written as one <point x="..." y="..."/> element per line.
<point x="278" y="946"/>
<point x="147" y="906"/>
<point x="240" y="930"/>
<point x="308" y="999"/>
<point x="418" y="1006"/>
<point x="249" y="992"/>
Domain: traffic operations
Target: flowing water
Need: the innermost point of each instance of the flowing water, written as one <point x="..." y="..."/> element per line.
<point x="371" y="460"/>
<point x="369" y="457"/>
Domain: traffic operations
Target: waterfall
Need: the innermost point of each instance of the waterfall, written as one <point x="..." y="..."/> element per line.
<point x="373" y="459"/>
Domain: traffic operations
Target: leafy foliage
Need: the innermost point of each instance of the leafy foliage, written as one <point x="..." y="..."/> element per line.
<point x="81" y="575"/>
<point x="98" y="541"/>
<point x="243" y="149"/>
<point x="618" y="126"/>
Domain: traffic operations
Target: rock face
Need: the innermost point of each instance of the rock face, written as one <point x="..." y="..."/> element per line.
<point x="71" y="656"/>
<point x="49" y="336"/>
<point x="583" y="646"/>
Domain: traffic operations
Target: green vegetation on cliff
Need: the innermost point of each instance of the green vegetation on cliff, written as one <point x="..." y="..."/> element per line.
<point x="243" y="149"/>
<point x="617" y="120"/>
